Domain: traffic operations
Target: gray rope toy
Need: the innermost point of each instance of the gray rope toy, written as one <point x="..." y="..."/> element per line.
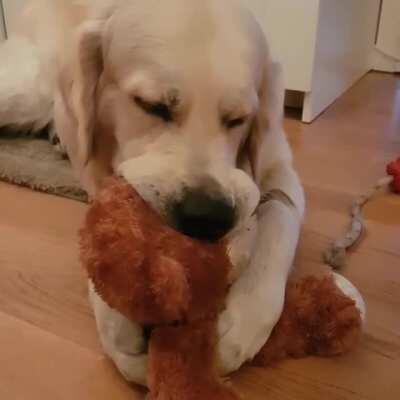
<point x="336" y="254"/>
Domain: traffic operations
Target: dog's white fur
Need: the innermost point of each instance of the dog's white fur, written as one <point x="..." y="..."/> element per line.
<point x="92" y="62"/>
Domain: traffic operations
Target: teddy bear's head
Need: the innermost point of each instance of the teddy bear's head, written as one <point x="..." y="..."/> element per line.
<point x="145" y="269"/>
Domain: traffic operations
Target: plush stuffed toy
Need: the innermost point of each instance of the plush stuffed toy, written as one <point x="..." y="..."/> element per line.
<point x="176" y="286"/>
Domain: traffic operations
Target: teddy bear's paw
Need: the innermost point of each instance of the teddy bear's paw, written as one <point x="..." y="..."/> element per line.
<point x="322" y="316"/>
<point x="331" y="318"/>
<point x="348" y="289"/>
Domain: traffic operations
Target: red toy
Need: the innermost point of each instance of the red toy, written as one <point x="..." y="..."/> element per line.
<point x="156" y="276"/>
<point x="393" y="169"/>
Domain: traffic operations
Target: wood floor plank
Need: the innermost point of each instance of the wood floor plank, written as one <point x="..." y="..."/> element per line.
<point x="42" y="281"/>
<point x="37" y="365"/>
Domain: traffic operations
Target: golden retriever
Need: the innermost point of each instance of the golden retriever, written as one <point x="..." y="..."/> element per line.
<point x="182" y="98"/>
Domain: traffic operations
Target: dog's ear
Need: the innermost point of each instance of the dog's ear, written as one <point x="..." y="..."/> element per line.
<point x="88" y="68"/>
<point x="267" y="143"/>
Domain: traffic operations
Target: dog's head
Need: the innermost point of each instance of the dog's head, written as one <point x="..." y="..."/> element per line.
<point x="188" y="94"/>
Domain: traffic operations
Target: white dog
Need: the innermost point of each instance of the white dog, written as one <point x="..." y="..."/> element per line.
<point x="180" y="97"/>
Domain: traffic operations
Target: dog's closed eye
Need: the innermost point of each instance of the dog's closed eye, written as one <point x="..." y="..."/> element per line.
<point x="156" y="109"/>
<point x="231" y="123"/>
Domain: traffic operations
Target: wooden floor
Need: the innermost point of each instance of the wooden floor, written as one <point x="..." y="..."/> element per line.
<point x="48" y="344"/>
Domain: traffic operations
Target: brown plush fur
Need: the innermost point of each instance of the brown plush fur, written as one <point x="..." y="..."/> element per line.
<point x="156" y="276"/>
<point x="318" y="319"/>
<point x="182" y="363"/>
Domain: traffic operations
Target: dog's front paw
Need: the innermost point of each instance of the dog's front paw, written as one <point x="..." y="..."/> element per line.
<point x="231" y="353"/>
<point x="122" y="340"/>
<point x="132" y="367"/>
<point x="243" y="330"/>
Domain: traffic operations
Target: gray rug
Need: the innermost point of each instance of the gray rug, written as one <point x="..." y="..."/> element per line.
<point x="33" y="162"/>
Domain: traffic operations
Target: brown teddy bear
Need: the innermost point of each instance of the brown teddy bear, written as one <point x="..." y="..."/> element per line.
<point x="162" y="279"/>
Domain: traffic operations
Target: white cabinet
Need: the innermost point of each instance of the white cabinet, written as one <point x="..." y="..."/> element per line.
<point x="325" y="46"/>
<point x="389" y="29"/>
<point x="387" y="56"/>
<point x="291" y="28"/>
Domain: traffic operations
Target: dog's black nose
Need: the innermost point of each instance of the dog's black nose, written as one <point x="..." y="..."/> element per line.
<point x="203" y="217"/>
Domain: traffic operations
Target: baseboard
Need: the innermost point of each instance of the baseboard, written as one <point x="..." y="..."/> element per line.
<point x="384" y="63"/>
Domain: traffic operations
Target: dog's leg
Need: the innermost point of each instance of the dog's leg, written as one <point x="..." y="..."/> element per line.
<point x="256" y="299"/>
<point x="26" y="89"/>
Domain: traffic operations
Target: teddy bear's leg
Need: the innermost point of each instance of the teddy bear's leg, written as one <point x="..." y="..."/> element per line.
<point x="122" y="340"/>
<point x="322" y="316"/>
<point x="182" y="364"/>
